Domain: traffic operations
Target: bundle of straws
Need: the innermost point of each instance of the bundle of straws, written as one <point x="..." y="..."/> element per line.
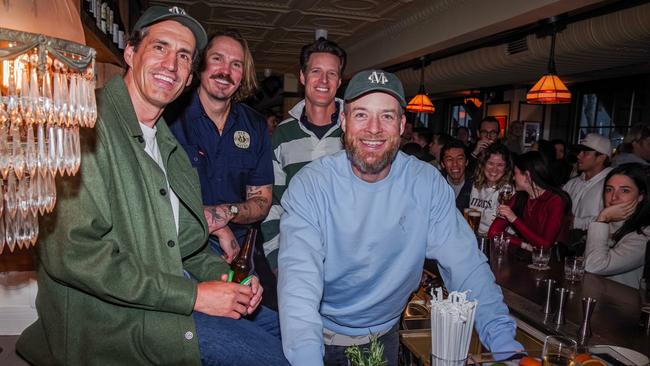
<point x="452" y="320"/>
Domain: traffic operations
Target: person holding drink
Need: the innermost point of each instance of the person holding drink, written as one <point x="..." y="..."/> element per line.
<point x="538" y="208"/>
<point x="616" y="241"/>
<point x="491" y="185"/>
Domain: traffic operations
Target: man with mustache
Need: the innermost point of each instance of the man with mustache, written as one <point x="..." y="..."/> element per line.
<point x="229" y="146"/>
<point x="357" y="227"/>
<point x="125" y="276"/>
<point x="312" y="130"/>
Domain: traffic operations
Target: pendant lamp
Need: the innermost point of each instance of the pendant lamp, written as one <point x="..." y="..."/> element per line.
<point x="549" y="89"/>
<point x="421" y="102"/>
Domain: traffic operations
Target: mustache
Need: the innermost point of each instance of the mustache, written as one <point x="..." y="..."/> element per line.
<point x="222" y="76"/>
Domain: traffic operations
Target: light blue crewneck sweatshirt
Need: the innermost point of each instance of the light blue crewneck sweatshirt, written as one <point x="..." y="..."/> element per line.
<point x="351" y="253"/>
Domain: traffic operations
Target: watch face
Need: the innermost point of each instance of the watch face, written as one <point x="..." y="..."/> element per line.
<point x="234" y="210"/>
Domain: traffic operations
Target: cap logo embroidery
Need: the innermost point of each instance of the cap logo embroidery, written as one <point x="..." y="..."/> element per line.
<point x="242" y="139"/>
<point x="177" y="10"/>
<point x="377" y="78"/>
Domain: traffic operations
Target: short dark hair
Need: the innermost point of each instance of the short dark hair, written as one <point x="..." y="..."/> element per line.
<point x="425" y="133"/>
<point x="442" y="139"/>
<point x="490" y="119"/>
<point x="453" y="144"/>
<point x="322" y="45"/>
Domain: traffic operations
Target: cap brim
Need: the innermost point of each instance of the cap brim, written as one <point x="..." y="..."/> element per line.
<point x="580" y="147"/>
<point x="395" y="95"/>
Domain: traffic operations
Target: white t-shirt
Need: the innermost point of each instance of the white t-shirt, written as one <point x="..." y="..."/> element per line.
<point x="485" y="200"/>
<point x="151" y="148"/>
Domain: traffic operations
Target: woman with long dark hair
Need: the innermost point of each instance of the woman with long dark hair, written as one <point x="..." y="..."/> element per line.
<point x="617" y="240"/>
<point x="537" y="211"/>
<point x="493" y="172"/>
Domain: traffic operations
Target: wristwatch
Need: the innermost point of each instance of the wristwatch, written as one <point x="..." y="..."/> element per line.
<point x="234" y="210"/>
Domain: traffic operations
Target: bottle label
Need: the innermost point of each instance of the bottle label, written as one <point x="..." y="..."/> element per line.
<point x="247" y="281"/>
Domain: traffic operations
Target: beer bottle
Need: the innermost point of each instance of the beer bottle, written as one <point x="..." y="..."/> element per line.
<point x="242" y="266"/>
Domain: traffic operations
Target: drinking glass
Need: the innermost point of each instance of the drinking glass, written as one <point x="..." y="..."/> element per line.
<point x="474" y="219"/>
<point x="505" y="193"/>
<point x="541" y="257"/>
<point x="574" y="269"/>
<point x="501" y="244"/>
<point x="559" y="351"/>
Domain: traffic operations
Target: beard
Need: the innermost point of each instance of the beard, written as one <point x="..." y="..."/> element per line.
<point x="370" y="162"/>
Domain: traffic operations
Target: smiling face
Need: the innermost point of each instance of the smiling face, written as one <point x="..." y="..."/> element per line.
<point x="454" y="162"/>
<point x="495" y="168"/>
<point x="621" y="189"/>
<point x="161" y="66"/>
<point x="321" y="78"/>
<point x="372" y="124"/>
<point x="224" y="68"/>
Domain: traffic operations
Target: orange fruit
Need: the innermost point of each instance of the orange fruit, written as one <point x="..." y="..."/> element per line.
<point x="582" y="357"/>
<point x="530" y="361"/>
<point x="593" y="362"/>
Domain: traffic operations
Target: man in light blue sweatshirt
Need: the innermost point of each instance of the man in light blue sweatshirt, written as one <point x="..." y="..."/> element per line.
<point x="357" y="228"/>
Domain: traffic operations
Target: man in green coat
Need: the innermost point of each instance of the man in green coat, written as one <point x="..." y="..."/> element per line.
<point x="125" y="276"/>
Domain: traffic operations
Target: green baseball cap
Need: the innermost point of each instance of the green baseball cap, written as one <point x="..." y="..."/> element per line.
<point x="368" y="81"/>
<point x="157" y="14"/>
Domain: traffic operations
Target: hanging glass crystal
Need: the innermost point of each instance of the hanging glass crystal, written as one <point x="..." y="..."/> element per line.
<point x="47" y="91"/>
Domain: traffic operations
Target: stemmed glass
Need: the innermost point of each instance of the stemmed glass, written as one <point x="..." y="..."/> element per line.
<point x="505" y="193"/>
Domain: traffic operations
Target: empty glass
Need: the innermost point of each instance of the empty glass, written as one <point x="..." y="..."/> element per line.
<point x="541" y="257"/>
<point x="574" y="269"/>
<point x="559" y="351"/>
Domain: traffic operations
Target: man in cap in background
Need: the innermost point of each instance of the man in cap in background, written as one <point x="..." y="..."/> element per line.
<point x="114" y="284"/>
<point x="353" y="243"/>
<point x="586" y="190"/>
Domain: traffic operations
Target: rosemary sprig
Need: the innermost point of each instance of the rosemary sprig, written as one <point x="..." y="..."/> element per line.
<point x="375" y="356"/>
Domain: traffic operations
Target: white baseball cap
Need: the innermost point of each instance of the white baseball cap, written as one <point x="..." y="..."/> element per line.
<point x="596" y="142"/>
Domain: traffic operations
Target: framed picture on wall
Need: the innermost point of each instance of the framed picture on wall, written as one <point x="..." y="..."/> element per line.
<point x="532" y="131"/>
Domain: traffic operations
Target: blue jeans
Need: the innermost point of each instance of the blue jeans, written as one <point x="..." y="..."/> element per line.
<point x="248" y="341"/>
<point x="335" y="355"/>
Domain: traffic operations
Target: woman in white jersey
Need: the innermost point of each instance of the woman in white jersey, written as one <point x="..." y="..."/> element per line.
<point x="493" y="172"/>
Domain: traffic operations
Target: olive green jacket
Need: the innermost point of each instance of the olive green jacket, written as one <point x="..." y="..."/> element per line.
<point x="111" y="289"/>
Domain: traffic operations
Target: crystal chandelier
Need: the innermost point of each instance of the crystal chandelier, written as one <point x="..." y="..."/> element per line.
<point x="47" y="92"/>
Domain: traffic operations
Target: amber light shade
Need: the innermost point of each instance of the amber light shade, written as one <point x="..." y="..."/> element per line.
<point x="549" y="90"/>
<point x="420" y="104"/>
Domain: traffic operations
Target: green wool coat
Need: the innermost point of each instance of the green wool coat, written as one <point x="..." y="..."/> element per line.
<point x="111" y="289"/>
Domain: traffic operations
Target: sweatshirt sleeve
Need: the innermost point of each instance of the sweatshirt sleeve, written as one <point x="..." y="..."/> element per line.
<point x="625" y="256"/>
<point x="463" y="267"/>
<point x="300" y="280"/>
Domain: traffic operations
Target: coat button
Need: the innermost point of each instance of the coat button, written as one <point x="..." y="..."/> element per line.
<point x="171" y="243"/>
<point x="163" y="191"/>
<point x="189" y="335"/>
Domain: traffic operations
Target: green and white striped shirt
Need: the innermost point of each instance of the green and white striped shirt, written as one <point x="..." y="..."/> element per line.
<point x="294" y="146"/>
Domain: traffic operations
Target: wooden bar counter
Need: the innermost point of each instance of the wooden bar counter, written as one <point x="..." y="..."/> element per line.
<point x="615" y="320"/>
